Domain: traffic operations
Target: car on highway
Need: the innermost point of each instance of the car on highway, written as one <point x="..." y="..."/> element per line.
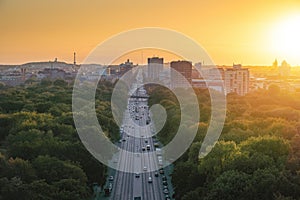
<point x="167" y="197"/>
<point x="150" y="179"/>
<point x="143" y="149"/>
<point x="158" y="152"/>
<point x="165" y="183"/>
<point x="145" y="168"/>
<point x="166" y="191"/>
<point x="148" y="147"/>
<point x="160" y="162"/>
<point x="137" y="175"/>
<point x="111" y="178"/>
<point x="156" y="174"/>
<point x="161" y="171"/>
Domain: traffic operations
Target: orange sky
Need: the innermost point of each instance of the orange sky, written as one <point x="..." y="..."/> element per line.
<point x="230" y="30"/>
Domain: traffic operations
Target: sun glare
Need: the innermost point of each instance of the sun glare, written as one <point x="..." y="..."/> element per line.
<point x="286" y="38"/>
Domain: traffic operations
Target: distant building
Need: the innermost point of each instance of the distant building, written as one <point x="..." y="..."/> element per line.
<point x="195" y="74"/>
<point x="74" y="62"/>
<point x="210" y="78"/>
<point x="155" y="67"/>
<point x="216" y="74"/>
<point x="236" y="80"/>
<point x="275" y="63"/>
<point x="113" y="70"/>
<point x="117" y="71"/>
<point x="51" y="73"/>
<point x="13" y="78"/>
<point x="284" y="69"/>
<point x="185" y="73"/>
<point x="125" y="67"/>
<point x="216" y="85"/>
<point x="209" y="73"/>
<point x="198" y="65"/>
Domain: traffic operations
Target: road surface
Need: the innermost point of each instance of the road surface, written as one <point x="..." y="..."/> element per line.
<point x="136" y="136"/>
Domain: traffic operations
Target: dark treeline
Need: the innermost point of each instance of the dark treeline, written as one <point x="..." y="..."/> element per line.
<point x="41" y="155"/>
<point x="256" y="157"/>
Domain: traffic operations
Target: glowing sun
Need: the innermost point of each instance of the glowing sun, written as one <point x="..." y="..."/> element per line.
<point x="286" y="37"/>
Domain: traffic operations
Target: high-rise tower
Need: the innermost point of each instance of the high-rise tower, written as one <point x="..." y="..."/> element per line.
<point x="185" y="72"/>
<point x="155" y="67"/>
<point x="237" y="80"/>
<point x="74" y="58"/>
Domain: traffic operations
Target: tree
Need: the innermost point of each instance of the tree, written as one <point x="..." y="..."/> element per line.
<point x="29" y="144"/>
<point x="60" y="82"/>
<point x="52" y="169"/>
<point x="46" y="82"/>
<point x="214" y="163"/>
<point x="275" y="147"/>
<point x="185" y="178"/>
<point x="246" y="163"/>
<point x="230" y="185"/>
<point x="12" y="189"/>
<point x="71" y="189"/>
<point x="40" y="190"/>
<point x="264" y="183"/>
<point x="46" y="159"/>
<point x="274" y="90"/>
<point x="194" y="152"/>
<point x="21" y="169"/>
<point x="192" y="195"/>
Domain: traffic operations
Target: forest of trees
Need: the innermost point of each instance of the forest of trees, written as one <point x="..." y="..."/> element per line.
<point x="41" y="155"/>
<point x="256" y="157"/>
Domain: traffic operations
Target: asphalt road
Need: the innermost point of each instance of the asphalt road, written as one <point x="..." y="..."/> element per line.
<point x="136" y="134"/>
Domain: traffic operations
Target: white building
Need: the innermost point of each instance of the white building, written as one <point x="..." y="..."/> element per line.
<point x="236" y="80"/>
<point x="155" y="67"/>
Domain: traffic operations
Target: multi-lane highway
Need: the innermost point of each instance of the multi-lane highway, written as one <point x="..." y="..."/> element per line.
<point x="139" y="176"/>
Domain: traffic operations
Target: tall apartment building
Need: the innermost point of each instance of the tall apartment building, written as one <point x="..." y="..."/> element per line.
<point x="155" y="67"/>
<point x="237" y="80"/>
<point x="185" y="69"/>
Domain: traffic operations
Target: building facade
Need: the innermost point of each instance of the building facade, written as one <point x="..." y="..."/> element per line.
<point x="155" y="67"/>
<point x="184" y="69"/>
<point x="236" y="80"/>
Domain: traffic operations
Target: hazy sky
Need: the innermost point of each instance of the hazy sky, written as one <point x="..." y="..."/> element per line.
<point x="230" y="30"/>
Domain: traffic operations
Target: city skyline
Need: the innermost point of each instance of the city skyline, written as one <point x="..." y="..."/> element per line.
<point x="150" y="100"/>
<point x="251" y="33"/>
<point x="136" y="61"/>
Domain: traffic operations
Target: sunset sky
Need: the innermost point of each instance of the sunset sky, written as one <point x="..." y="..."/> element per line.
<point x="251" y="32"/>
